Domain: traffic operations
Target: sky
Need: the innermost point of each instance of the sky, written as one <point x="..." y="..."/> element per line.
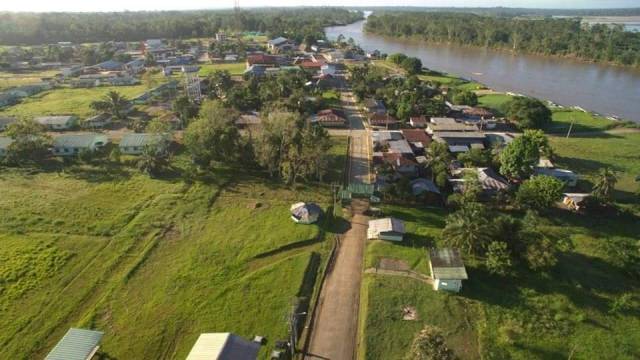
<point x="120" y="5"/>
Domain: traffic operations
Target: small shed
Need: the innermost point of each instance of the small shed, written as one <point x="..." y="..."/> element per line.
<point x="386" y="229"/>
<point x="447" y="269"/>
<point x="305" y="213"/>
<point x="223" y="346"/>
<point x="77" y="344"/>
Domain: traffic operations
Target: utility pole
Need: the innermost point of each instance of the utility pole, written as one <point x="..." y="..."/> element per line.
<point x="570" y="127"/>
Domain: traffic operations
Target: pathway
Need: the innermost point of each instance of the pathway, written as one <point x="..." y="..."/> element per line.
<point x="335" y="331"/>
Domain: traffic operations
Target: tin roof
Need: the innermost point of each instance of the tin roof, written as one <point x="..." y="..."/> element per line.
<point x="54" y="120"/>
<point x="447" y="264"/>
<point x="79" y="140"/>
<point x="137" y="140"/>
<point x="77" y="344"/>
<point x="223" y="346"/>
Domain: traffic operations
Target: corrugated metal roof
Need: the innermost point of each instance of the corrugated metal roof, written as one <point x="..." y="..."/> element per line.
<point x="54" y="120"/>
<point x="446" y="264"/>
<point x="223" y="346"/>
<point x="77" y="344"/>
<point x="386" y="225"/>
<point x="138" y="140"/>
<point x="79" y="140"/>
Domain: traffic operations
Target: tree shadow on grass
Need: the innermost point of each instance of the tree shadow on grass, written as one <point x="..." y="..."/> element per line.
<point x="585" y="166"/>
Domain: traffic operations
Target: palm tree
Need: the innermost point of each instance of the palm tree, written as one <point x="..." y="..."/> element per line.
<point x="153" y="160"/>
<point x="605" y="184"/>
<point x="112" y="103"/>
<point x="468" y="229"/>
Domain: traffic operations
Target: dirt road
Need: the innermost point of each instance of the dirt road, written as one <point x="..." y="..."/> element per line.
<point x="334" y="335"/>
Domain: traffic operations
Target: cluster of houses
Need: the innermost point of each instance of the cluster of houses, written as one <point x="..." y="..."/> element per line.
<point x="83" y="344"/>
<point x="67" y="145"/>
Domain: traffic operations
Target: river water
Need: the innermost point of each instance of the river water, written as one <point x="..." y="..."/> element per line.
<point x="608" y="90"/>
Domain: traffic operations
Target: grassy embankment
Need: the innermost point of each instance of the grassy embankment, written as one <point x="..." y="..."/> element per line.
<point x="66" y="101"/>
<point x="152" y="263"/>
<point x="552" y="316"/>
<point x="237" y="68"/>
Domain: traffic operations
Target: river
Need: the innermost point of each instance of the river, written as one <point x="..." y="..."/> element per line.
<point x="608" y="90"/>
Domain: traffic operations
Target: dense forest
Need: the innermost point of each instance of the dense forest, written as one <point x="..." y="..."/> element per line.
<point x="557" y="37"/>
<point x="506" y="11"/>
<point x="44" y="28"/>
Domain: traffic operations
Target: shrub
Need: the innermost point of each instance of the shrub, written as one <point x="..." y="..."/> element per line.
<point x="540" y="192"/>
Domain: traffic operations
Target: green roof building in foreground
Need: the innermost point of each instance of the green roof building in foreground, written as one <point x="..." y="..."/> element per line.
<point x="68" y="145"/>
<point x="77" y="344"/>
<point x="134" y="144"/>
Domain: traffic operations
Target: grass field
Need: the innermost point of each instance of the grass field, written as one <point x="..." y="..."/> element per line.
<point x="495" y="102"/>
<point x="551" y="316"/>
<point x="233" y="68"/>
<point x="587" y="154"/>
<point x="152" y="263"/>
<point x="66" y="101"/>
<point x="582" y="121"/>
<point x="9" y="80"/>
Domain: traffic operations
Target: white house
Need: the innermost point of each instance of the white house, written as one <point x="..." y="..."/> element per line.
<point x="386" y="229"/>
<point x="69" y="145"/>
<point x="134" y="144"/>
<point x="134" y="66"/>
<point x="447" y="269"/>
<point x="223" y="346"/>
<point x="280" y="44"/>
<point x="77" y="344"/>
<point x="57" y="122"/>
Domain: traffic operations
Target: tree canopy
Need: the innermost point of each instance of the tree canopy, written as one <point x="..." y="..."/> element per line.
<point x="529" y="113"/>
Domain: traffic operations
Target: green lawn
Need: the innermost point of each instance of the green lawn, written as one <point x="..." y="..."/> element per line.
<point x="494" y="102"/>
<point x="582" y="121"/>
<point x="66" y="101"/>
<point x="533" y="316"/>
<point x="237" y="68"/>
<point x="151" y="262"/>
<point x="586" y="155"/>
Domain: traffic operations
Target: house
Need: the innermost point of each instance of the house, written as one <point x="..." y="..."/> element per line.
<point x="400" y="147"/>
<point x="134" y="66"/>
<point x="309" y="64"/>
<point x="153" y="44"/>
<point x="223" y="346"/>
<point x="221" y="37"/>
<point x="305" y="213"/>
<point x="76" y="344"/>
<point x="97" y="122"/>
<point x="109" y="65"/>
<point x="374" y="106"/>
<point x="575" y="201"/>
<point x="328" y="69"/>
<point x="335" y="56"/>
<point x="489" y="180"/>
<point x="391" y="229"/>
<point x="5" y="122"/>
<point x="447" y="269"/>
<point x="330" y="118"/>
<point x="256" y="70"/>
<point x="134" y="144"/>
<point x="381" y="138"/>
<point x="418" y="139"/>
<point x="449" y="125"/>
<point x="262" y="59"/>
<point x="248" y="120"/>
<point x="69" y="145"/>
<point x="566" y="176"/>
<point x="477" y="113"/>
<point x="400" y="164"/>
<point x="231" y="58"/>
<point x="5" y="141"/>
<point x="57" y="122"/>
<point x="418" y="121"/>
<point x="280" y="45"/>
<point x="459" y="141"/>
<point x="383" y="121"/>
<point x="421" y="186"/>
<point x="71" y="71"/>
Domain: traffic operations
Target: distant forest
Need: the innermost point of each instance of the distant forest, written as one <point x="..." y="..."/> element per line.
<point x="44" y="28"/>
<point x="546" y="36"/>
<point x="504" y="11"/>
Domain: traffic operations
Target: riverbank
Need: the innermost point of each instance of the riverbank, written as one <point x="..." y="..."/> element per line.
<point x="604" y="90"/>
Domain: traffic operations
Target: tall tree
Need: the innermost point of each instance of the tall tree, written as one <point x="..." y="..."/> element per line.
<point x="528" y="113"/>
<point x="112" y="103"/>
<point x="468" y="229"/>
<point x="30" y="142"/>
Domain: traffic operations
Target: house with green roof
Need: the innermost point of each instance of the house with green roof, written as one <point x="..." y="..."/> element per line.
<point x="69" y="145"/>
<point x="64" y="122"/>
<point x="77" y="344"/>
<point x="134" y="144"/>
